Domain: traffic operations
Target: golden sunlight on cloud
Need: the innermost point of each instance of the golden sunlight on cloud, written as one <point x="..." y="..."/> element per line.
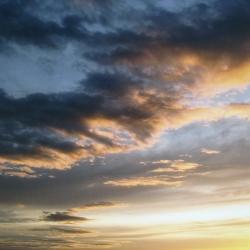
<point x="124" y="140"/>
<point x="124" y="125"/>
<point x="181" y="165"/>
<point x="63" y="161"/>
<point x="207" y="75"/>
<point x="176" y="166"/>
<point x="145" y="181"/>
<point x="223" y="77"/>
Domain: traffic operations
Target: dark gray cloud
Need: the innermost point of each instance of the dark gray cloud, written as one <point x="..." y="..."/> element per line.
<point x="86" y="180"/>
<point x="212" y="30"/>
<point x="62" y="217"/>
<point x="21" y="26"/>
<point x="136" y="69"/>
<point x="64" y="230"/>
<point x="196" y="28"/>
<point x="111" y="84"/>
<point x="18" y="140"/>
<point x="32" y="126"/>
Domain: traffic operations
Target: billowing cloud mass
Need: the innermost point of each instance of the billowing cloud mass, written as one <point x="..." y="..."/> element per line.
<point x="137" y="79"/>
<point x="129" y="113"/>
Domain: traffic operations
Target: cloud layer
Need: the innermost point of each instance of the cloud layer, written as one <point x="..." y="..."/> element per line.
<point x="121" y="117"/>
<point x="144" y="75"/>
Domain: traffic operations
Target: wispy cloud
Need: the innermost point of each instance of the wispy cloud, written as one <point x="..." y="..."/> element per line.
<point x="144" y="181"/>
<point x="65" y="217"/>
<point x="209" y="151"/>
<point x="94" y="205"/>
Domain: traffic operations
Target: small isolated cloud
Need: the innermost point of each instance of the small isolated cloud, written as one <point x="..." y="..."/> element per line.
<point x="182" y="166"/>
<point x="20" y="171"/>
<point x="161" y="162"/>
<point x="94" y="205"/>
<point x="144" y="181"/>
<point x="166" y="173"/>
<point x="62" y="217"/>
<point x="185" y="155"/>
<point x="177" y="166"/>
<point x="209" y="151"/>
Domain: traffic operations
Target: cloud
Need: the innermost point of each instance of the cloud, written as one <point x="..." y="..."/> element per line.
<point x="63" y="230"/>
<point x="54" y="131"/>
<point x="161" y="162"/>
<point x="183" y="166"/>
<point x="18" y="171"/>
<point x="65" y="217"/>
<point x="40" y="128"/>
<point x="141" y="81"/>
<point x="22" y="27"/>
<point x="144" y="182"/>
<point x="143" y="76"/>
<point x="209" y="151"/>
<point x="94" y="205"/>
<point x="190" y="47"/>
<point x="12" y="217"/>
<point x="175" y="166"/>
<point x="215" y="173"/>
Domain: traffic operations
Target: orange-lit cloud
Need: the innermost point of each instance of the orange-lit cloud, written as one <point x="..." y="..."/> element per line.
<point x="153" y="86"/>
<point x="144" y="181"/>
<point x="165" y="119"/>
<point x="177" y="166"/>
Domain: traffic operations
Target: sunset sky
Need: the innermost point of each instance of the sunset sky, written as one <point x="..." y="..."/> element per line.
<point x="124" y="124"/>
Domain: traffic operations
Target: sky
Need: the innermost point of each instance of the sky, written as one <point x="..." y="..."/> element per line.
<point x="124" y="124"/>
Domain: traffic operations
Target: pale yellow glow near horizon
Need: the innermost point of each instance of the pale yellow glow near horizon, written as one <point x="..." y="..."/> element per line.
<point x="130" y="218"/>
<point x="222" y="227"/>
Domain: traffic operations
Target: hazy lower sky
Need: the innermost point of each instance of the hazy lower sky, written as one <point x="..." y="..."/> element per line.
<point x="124" y="124"/>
